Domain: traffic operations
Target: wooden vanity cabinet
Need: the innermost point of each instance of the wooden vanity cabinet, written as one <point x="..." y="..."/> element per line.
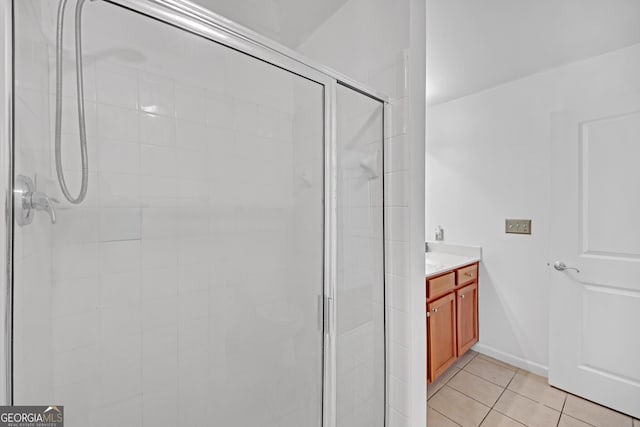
<point x="452" y="317"/>
<point x="467" y="320"/>
<point x="441" y="334"/>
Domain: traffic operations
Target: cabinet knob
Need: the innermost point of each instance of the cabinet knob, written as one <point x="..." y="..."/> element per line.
<point x="435" y="310"/>
<point x="462" y="296"/>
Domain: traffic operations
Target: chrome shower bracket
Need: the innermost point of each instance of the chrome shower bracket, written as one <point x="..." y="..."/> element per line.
<point x="26" y="201"/>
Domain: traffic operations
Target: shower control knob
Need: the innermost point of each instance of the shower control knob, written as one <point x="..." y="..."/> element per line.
<point x="27" y="201"/>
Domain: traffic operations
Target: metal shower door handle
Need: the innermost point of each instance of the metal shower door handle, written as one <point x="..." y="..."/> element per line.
<point x="27" y="201"/>
<point x="561" y="266"/>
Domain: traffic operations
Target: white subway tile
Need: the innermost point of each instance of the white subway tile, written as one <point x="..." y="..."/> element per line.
<point x="245" y="115"/>
<point x="399" y="395"/>
<point x="158" y="161"/>
<point x="75" y="225"/>
<point x="129" y="413"/>
<point x="396" y="154"/>
<point x="119" y="190"/>
<point x="118" y="124"/>
<point x="220" y="111"/>
<point x="161" y="253"/>
<point x="118" y="322"/>
<point x="158" y="343"/>
<point x="397" y="258"/>
<point x="194" y="192"/>
<point x="397" y="226"/>
<point x="160" y="283"/>
<point x="120" y="289"/>
<point x="75" y="330"/>
<point x="191" y="136"/>
<point x="399" y="362"/>
<point x="159" y="408"/>
<point x="395" y="118"/>
<point x="190" y="103"/>
<point x="158" y="314"/>
<point x="192" y="164"/>
<point x="75" y="296"/>
<point x="156" y="94"/>
<point x="396" y="189"/>
<point x="157" y="130"/>
<point x="193" y="278"/>
<point x="159" y="222"/>
<point x="123" y="381"/>
<point x="194" y="305"/>
<point x="396" y="419"/>
<point x="116" y="350"/>
<point x="116" y="157"/>
<point x="399" y="327"/>
<point x="78" y="260"/>
<point x="74" y="366"/>
<point x="158" y="191"/>
<point x="116" y="85"/>
<point x="120" y="256"/>
<point x="194" y="250"/>
<point x="120" y="224"/>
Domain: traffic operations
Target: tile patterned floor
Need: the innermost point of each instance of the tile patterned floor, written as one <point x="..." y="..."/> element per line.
<point x="481" y="391"/>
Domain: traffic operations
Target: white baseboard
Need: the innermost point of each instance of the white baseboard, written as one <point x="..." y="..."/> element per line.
<point x="518" y="362"/>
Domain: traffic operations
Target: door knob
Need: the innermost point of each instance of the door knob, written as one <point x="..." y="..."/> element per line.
<point x="561" y="266"/>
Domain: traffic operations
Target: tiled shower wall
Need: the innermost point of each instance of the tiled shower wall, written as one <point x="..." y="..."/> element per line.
<point x="32" y="247"/>
<point x="360" y="300"/>
<point x="369" y="40"/>
<point x="130" y="272"/>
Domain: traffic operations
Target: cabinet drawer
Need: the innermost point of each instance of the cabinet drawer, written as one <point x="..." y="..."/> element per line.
<point x="441" y="285"/>
<point x="467" y="274"/>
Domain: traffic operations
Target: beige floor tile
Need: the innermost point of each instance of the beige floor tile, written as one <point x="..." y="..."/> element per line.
<point x="466" y="358"/>
<point x="490" y="371"/>
<point x="526" y="411"/>
<point x="496" y="419"/>
<point x="436" y="419"/>
<point x="594" y="414"/>
<point x="536" y="388"/>
<point x="458" y="407"/>
<point x="497" y="362"/>
<point x="475" y="387"/>
<point x="441" y="381"/>
<point x="567" y="421"/>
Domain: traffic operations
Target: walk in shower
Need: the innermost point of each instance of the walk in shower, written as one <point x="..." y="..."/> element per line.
<point x="226" y="266"/>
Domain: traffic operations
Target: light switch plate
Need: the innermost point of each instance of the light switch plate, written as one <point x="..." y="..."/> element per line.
<point x="518" y="226"/>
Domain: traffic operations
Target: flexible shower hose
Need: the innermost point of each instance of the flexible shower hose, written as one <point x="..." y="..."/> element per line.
<point x="80" y="98"/>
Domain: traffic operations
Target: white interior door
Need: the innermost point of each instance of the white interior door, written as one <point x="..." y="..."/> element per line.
<point x="595" y="227"/>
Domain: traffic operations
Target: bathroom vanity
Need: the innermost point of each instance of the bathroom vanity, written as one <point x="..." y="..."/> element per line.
<point x="451" y="280"/>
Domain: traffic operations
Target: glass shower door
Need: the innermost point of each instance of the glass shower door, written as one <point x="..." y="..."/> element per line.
<point x="184" y="290"/>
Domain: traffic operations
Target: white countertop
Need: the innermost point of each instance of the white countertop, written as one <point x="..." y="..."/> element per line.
<point x="444" y="257"/>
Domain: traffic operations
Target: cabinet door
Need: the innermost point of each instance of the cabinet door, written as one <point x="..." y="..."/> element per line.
<point x="441" y="335"/>
<point x="467" y="301"/>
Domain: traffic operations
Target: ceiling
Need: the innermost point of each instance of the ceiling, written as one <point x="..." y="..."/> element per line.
<point x="474" y="45"/>
<point x="288" y="22"/>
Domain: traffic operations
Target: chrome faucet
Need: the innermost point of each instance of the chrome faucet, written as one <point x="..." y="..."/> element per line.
<point x="27" y="201"/>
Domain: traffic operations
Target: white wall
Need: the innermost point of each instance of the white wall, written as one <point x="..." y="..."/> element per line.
<point x="488" y="158"/>
<point x="381" y="43"/>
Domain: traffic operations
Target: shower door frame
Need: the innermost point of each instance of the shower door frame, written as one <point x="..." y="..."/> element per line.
<point x="195" y="19"/>
<point x="6" y="192"/>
